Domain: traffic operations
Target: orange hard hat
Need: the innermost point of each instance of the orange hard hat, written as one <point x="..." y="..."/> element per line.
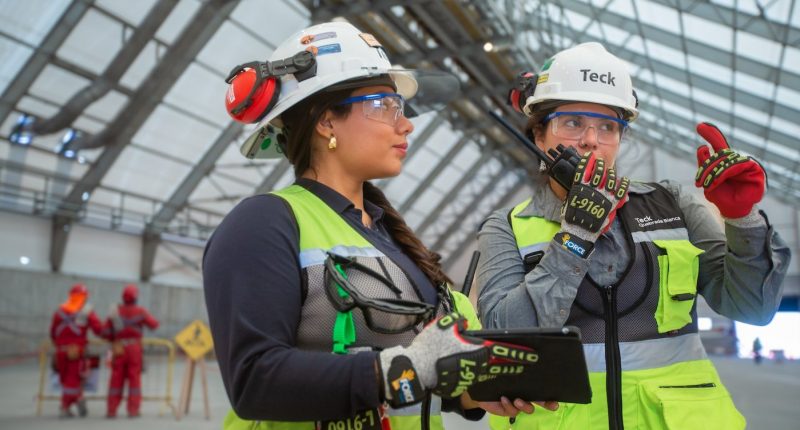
<point x="129" y="294"/>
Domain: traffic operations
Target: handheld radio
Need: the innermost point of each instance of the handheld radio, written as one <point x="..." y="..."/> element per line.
<point x="561" y="162"/>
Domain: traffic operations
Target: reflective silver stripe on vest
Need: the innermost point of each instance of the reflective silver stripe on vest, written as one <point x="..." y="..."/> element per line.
<point x="68" y="321"/>
<point x="669" y="234"/>
<point x="311" y="257"/>
<point x="416" y="410"/>
<point x="533" y="248"/>
<point x="648" y="354"/>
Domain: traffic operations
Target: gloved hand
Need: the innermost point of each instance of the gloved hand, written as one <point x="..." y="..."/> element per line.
<point x="443" y="359"/>
<point x="591" y="204"/>
<point x="733" y="182"/>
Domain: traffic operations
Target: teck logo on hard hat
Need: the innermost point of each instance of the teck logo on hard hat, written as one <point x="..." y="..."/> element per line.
<point x="604" y="78"/>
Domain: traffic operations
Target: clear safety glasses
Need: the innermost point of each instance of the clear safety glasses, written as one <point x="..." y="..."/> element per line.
<point x="573" y="125"/>
<point x="384" y="107"/>
<point x="387" y="316"/>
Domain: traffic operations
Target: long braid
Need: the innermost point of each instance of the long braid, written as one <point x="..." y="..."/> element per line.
<point x="425" y="259"/>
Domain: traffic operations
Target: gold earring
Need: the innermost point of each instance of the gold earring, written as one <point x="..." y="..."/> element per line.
<point x="332" y="143"/>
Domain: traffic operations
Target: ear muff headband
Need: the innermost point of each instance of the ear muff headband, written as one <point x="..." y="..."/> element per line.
<point x="524" y="85"/>
<point x="255" y="87"/>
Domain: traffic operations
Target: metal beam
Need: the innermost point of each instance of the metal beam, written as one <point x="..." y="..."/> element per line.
<point x="274" y="176"/>
<point x="766" y="72"/>
<point x="502" y="203"/>
<point x="179" y="198"/>
<point x="121" y="130"/>
<point x="433" y="174"/>
<point x="28" y="73"/>
<point x="111" y="76"/>
<point x="473" y="204"/>
<point x="417" y="143"/>
<point x="434" y="214"/>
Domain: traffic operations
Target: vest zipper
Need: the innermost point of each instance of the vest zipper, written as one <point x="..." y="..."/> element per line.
<point x="613" y="361"/>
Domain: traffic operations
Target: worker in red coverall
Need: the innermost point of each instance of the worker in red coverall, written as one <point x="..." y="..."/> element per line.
<point x="68" y="331"/>
<point x="124" y="327"/>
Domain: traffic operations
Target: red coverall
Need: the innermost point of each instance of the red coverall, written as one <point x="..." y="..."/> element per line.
<point x="68" y="332"/>
<point x="125" y="329"/>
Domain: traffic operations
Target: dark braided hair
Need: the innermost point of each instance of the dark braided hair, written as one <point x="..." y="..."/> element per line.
<point x="425" y="259"/>
<point x="299" y="122"/>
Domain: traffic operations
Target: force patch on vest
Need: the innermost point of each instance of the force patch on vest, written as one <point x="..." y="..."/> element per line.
<point x="404" y="385"/>
<point x="365" y="420"/>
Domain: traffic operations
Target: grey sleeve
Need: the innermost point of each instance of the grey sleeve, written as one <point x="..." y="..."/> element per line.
<point x="507" y="296"/>
<point x="743" y="266"/>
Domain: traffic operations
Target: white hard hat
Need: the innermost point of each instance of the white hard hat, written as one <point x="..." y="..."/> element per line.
<point x="585" y="73"/>
<point x="343" y="54"/>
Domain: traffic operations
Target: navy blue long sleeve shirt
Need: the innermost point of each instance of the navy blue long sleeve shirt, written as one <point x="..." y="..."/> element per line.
<point x="252" y="282"/>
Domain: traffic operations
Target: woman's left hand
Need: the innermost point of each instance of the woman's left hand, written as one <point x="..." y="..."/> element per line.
<point x="505" y="407"/>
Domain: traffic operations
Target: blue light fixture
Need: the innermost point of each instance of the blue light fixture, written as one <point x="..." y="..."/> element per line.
<point x="21" y="133"/>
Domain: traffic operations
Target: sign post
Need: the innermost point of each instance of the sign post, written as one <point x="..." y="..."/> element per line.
<point x="196" y="342"/>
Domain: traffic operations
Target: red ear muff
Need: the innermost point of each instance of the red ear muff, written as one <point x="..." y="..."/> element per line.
<point x="524" y="85"/>
<point x="249" y="98"/>
<point x="255" y="87"/>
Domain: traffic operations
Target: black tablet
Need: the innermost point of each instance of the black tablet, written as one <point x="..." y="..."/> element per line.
<point x="559" y="374"/>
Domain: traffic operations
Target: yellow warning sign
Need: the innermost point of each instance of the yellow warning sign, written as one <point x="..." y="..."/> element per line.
<point x="195" y="339"/>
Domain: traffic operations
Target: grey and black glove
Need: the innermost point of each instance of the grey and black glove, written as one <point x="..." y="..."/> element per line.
<point x="445" y="360"/>
<point x="591" y="204"/>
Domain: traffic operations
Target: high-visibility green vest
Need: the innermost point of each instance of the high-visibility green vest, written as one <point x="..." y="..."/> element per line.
<point x="647" y="366"/>
<point x="321" y="230"/>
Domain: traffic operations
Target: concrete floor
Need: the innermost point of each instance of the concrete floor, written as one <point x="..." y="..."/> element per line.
<point x="767" y="395"/>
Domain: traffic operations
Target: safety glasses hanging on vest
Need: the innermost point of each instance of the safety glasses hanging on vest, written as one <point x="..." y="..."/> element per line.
<point x="573" y="126"/>
<point x="387" y="316"/>
<point x="383" y="107"/>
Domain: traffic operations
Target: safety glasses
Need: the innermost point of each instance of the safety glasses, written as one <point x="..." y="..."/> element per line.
<point x="387" y="316"/>
<point x="384" y="107"/>
<point x="573" y="125"/>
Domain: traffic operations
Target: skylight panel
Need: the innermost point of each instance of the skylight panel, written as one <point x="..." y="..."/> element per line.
<point x="665" y="54"/>
<point x="177" y="20"/>
<point x="758" y="48"/>
<point x="231" y="45"/>
<point x="31" y="20"/>
<point x="145" y="173"/>
<point x="678" y="87"/>
<point x="753" y="85"/>
<point x="132" y="12"/>
<point x="710" y="70"/>
<point x="14" y="57"/>
<point x="787" y="97"/>
<point x="708" y="32"/>
<point x="142" y="65"/>
<point x="93" y="43"/>
<point x="108" y="106"/>
<point x="173" y="133"/>
<point x="192" y="90"/>
<point x="57" y="85"/>
<point x="665" y="18"/>
<point x="622" y="7"/>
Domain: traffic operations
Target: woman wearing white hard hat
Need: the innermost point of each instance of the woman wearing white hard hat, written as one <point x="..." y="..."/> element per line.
<point x="624" y="261"/>
<point x="319" y="294"/>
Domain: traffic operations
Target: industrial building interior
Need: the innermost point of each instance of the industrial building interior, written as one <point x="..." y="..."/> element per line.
<point x="118" y="159"/>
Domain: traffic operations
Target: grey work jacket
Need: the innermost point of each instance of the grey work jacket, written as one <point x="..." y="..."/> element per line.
<point x="741" y="270"/>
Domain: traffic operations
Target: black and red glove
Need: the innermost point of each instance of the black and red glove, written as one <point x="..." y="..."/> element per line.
<point x="733" y="182"/>
<point x="591" y="204"/>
